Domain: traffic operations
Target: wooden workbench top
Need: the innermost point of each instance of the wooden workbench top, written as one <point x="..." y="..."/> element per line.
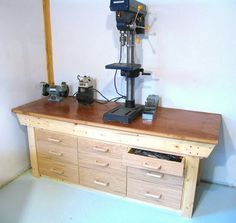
<point x="171" y="123"/>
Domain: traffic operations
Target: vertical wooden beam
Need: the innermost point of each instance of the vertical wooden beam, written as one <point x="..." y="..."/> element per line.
<point x="199" y="174"/>
<point x="190" y="182"/>
<point x="48" y="40"/>
<point x="33" y="152"/>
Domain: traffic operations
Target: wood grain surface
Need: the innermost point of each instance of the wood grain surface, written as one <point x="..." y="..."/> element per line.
<point x="171" y="123"/>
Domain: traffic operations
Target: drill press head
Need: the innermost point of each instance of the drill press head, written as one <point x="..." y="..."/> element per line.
<point x="130" y="15"/>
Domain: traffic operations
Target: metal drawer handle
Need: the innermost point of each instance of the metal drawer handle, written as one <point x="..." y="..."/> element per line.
<point x="152" y="167"/>
<point x="155" y="175"/>
<point x="158" y="197"/>
<point x="54" y="140"/>
<point x="104" y="150"/>
<point x="60" y="172"/>
<point x="101" y="183"/>
<point x="55" y="153"/>
<point x="103" y="164"/>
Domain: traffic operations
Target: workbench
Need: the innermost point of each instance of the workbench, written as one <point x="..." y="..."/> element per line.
<point x="71" y="142"/>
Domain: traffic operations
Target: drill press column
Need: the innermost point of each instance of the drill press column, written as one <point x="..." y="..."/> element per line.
<point x="130" y="81"/>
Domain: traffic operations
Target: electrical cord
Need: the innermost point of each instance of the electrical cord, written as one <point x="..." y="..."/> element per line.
<point x="107" y="100"/>
<point x="115" y="85"/>
<point x="123" y="96"/>
<point x="75" y="94"/>
<point x="94" y="89"/>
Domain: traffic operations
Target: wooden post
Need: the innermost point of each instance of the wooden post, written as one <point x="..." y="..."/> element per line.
<point x="48" y="40"/>
<point x="190" y="182"/>
<point x="33" y="152"/>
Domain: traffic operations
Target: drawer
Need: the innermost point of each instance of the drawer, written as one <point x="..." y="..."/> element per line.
<point x="100" y="147"/>
<point x="154" y="193"/>
<point x="100" y="162"/>
<point x="56" y="153"/>
<point x="154" y="177"/>
<point x="100" y="180"/>
<point x="45" y="138"/>
<point x="155" y="164"/>
<point x="58" y="170"/>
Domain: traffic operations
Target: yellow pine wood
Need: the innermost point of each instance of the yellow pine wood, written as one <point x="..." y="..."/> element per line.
<point x="33" y="151"/>
<point x="48" y="40"/>
<point x="153" y="143"/>
<point x="190" y="182"/>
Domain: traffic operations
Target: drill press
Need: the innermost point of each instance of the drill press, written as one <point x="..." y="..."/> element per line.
<point x="130" y="19"/>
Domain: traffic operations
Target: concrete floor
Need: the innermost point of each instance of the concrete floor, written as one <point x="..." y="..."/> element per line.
<point x="42" y="200"/>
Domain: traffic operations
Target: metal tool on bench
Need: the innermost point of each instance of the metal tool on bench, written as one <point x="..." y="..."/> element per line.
<point x="56" y="93"/>
<point x="130" y="19"/>
<point x="150" y="108"/>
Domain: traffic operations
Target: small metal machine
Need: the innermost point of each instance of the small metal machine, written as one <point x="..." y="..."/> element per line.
<point x="130" y="20"/>
<point x="85" y="90"/>
<point x="56" y="92"/>
<point x="150" y="108"/>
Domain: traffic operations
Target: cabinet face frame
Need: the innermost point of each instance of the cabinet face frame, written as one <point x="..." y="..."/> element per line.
<point x="120" y="137"/>
<point x="152" y="143"/>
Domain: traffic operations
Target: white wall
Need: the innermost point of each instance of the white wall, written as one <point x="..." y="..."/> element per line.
<point x="190" y="49"/>
<point x="22" y="67"/>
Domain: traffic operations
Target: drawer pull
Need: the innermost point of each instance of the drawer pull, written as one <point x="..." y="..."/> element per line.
<point x="54" y="140"/>
<point x="104" y="150"/>
<point x="151" y="167"/>
<point x="60" y="172"/>
<point x="155" y="175"/>
<point x="101" y="183"/>
<point x="55" y="153"/>
<point x="103" y="164"/>
<point x="148" y="195"/>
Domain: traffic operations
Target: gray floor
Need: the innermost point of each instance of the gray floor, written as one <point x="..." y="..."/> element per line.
<point x="41" y="200"/>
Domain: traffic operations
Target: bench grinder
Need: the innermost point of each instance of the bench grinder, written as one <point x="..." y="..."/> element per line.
<point x="56" y="93"/>
<point x="130" y="20"/>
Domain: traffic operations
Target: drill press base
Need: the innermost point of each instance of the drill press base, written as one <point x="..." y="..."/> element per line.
<point x="122" y="114"/>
